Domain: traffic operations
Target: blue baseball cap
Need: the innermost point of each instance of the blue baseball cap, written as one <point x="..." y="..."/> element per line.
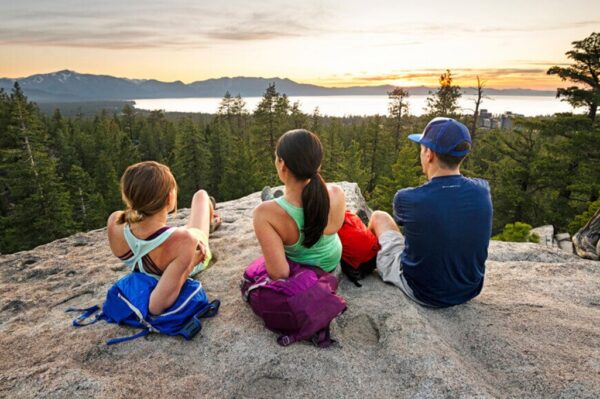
<point x="442" y="135"/>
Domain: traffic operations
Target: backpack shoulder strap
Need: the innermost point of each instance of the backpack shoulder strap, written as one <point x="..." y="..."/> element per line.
<point x="142" y="333"/>
<point x="85" y="314"/>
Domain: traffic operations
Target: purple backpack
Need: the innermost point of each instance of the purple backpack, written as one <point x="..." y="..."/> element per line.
<point x="298" y="308"/>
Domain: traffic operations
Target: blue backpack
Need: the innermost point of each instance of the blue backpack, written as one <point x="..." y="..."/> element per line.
<point x="127" y="304"/>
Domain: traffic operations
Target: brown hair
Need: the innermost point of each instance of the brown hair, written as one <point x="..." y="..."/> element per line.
<point x="145" y="189"/>
<point x="302" y="153"/>
<point x="450" y="161"/>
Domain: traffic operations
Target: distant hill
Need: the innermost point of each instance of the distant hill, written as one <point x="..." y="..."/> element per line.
<point x="70" y="86"/>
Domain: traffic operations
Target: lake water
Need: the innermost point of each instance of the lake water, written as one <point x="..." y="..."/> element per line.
<point x="368" y="105"/>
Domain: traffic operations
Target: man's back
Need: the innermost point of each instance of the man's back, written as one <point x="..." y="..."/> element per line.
<point x="447" y="226"/>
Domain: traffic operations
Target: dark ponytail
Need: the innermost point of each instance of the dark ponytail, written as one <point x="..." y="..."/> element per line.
<point x="302" y="153"/>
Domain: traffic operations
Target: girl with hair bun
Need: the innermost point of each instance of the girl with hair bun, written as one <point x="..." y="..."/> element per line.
<point x="140" y="237"/>
<point x="302" y="224"/>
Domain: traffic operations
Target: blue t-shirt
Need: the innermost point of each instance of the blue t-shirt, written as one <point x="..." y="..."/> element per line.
<point x="447" y="227"/>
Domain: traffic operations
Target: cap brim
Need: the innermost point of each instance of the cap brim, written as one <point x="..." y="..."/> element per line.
<point x="416" y="137"/>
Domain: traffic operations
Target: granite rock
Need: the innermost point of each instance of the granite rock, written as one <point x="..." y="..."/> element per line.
<point x="533" y="332"/>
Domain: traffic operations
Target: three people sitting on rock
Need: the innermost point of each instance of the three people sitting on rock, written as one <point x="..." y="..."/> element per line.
<point x="440" y="260"/>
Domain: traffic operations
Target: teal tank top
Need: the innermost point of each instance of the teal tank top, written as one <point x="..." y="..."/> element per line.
<point x="326" y="253"/>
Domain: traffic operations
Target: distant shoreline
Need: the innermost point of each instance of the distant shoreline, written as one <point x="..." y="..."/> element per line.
<point x="69" y="86"/>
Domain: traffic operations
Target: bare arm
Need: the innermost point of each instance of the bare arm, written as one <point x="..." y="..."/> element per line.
<point x="112" y="230"/>
<point x="271" y="244"/>
<point x="337" y="201"/>
<point x="167" y="290"/>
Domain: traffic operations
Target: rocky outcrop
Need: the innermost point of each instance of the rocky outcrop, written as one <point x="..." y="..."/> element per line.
<point x="533" y="332"/>
<point x="546" y="235"/>
<point x="587" y="240"/>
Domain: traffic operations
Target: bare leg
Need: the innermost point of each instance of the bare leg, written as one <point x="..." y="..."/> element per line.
<point x="381" y="222"/>
<point x="201" y="214"/>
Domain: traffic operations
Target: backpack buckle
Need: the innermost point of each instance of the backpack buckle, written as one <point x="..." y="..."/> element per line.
<point x="285" y="340"/>
<point x="191" y="328"/>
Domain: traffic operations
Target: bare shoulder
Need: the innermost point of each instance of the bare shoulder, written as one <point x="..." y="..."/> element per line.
<point x="115" y="234"/>
<point x="112" y="219"/>
<point x="335" y="190"/>
<point x="266" y="210"/>
<point x="182" y="237"/>
<point x="113" y="228"/>
<point x="180" y="245"/>
<point x="336" y="194"/>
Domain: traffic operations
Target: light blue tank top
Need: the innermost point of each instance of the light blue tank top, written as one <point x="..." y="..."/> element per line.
<point x="140" y="248"/>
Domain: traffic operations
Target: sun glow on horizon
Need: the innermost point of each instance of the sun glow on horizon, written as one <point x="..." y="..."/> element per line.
<point x="318" y="41"/>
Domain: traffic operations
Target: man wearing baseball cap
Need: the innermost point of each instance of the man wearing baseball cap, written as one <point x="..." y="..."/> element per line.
<point x="447" y="223"/>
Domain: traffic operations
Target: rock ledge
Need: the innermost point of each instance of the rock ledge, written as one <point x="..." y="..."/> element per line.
<point x="533" y="332"/>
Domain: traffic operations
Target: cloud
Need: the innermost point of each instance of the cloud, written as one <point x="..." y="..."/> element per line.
<point x="536" y="28"/>
<point x="173" y="24"/>
<point x="427" y="76"/>
<point x="261" y="26"/>
<point x="542" y="63"/>
<point x="243" y="35"/>
<point x="378" y="78"/>
<point x="184" y="24"/>
<point x="435" y="29"/>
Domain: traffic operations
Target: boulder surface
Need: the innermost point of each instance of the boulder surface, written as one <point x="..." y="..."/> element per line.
<point x="533" y="332"/>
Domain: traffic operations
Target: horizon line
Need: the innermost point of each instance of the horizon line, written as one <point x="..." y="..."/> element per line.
<point x="357" y="85"/>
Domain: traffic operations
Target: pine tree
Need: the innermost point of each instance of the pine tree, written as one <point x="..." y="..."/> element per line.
<point x="239" y="172"/>
<point x="192" y="160"/>
<point x="315" y="120"/>
<point x="406" y="172"/>
<point x="266" y="117"/>
<point x="351" y="167"/>
<point x="270" y="121"/>
<point x="397" y="108"/>
<point x="106" y="182"/>
<point x="584" y="72"/>
<point x="444" y="102"/>
<point x="333" y="149"/>
<point x="88" y="208"/>
<point x="39" y="208"/>
<point x="298" y="119"/>
<point x="149" y="146"/>
<point x="377" y="144"/>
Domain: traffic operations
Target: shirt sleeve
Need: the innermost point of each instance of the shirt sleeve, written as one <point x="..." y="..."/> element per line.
<point x="400" y="206"/>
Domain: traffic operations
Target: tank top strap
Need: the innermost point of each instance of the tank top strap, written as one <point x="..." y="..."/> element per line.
<point x="140" y="248"/>
<point x="295" y="212"/>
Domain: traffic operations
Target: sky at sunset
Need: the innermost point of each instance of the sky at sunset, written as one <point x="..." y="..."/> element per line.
<point x="331" y="43"/>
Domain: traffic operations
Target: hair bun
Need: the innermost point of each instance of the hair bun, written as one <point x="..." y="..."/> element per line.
<point x="133" y="216"/>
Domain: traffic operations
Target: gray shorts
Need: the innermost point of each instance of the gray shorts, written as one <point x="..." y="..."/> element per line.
<point x="389" y="264"/>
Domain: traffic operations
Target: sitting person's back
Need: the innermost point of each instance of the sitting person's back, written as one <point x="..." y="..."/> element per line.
<point x="302" y="224"/>
<point x="325" y="253"/>
<point x="140" y="238"/>
<point x="447" y="222"/>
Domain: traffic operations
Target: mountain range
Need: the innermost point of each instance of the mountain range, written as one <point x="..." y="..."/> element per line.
<point x="70" y="86"/>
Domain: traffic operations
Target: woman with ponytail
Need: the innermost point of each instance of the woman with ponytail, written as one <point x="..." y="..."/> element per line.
<point x="302" y="224"/>
<point x="140" y="237"/>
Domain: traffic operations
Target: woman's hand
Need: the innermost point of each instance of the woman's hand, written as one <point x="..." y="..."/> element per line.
<point x="201" y="252"/>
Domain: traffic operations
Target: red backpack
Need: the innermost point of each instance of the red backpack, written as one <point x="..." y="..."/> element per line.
<point x="359" y="248"/>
